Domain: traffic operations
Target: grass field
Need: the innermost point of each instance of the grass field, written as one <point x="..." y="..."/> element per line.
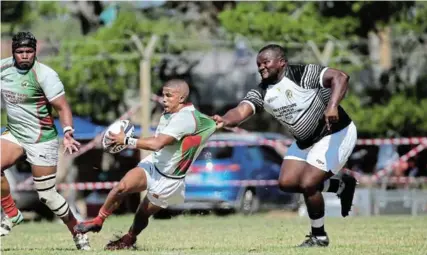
<point x="269" y="233"/>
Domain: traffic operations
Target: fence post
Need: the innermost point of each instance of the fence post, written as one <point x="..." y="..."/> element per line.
<point x="145" y="83"/>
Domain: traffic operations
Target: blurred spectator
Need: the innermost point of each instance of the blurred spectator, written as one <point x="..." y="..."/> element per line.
<point x="387" y="155"/>
<point x="412" y="170"/>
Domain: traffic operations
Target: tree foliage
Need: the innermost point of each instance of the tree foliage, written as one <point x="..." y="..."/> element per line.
<point x="101" y="70"/>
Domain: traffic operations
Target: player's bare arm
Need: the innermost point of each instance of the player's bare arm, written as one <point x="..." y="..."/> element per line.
<point x="234" y="116"/>
<point x="338" y="82"/>
<point x="148" y="143"/>
<point x="64" y="111"/>
<point x="66" y="118"/>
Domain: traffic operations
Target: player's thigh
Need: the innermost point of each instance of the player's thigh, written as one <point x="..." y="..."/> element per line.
<point x="291" y="173"/>
<point x="43" y="157"/>
<point x="293" y="165"/>
<point x="312" y="177"/>
<point x="134" y="181"/>
<point x="10" y="151"/>
<point x="39" y="171"/>
<point x="332" y="151"/>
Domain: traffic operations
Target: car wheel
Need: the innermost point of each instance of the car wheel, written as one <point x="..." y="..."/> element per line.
<point x="249" y="203"/>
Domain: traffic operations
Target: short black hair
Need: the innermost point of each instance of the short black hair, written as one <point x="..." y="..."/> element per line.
<point x="24" y="39"/>
<point x="279" y="50"/>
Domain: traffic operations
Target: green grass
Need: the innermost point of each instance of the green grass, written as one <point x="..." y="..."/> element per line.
<point x="271" y="233"/>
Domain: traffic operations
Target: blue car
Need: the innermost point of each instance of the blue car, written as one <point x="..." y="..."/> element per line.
<point x="234" y="172"/>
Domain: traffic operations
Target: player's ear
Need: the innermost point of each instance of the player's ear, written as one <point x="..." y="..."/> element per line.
<point x="182" y="100"/>
<point x="283" y="62"/>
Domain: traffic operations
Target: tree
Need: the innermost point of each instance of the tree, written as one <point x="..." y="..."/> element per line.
<point x="101" y="71"/>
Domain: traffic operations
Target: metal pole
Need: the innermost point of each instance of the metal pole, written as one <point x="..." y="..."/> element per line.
<point x="145" y="90"/>
<point x="145" y="83"/>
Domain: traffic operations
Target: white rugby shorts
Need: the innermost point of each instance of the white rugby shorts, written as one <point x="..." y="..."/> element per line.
<point x="330" y="153"/>
<point x="38" y="154"/>
<point x="161" y="190"/>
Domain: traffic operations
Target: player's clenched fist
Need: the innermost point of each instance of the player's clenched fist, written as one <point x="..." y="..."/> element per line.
<point x="219" y="121"/>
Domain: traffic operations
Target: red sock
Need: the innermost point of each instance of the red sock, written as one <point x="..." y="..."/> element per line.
<point x="71" y="223"/>
<point x="9" y="206"/>
<point x="103" y="214"/>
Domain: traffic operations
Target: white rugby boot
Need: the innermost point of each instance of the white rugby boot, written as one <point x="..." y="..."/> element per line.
<point x="82" y="242"/>
<point x="8" y="223"/>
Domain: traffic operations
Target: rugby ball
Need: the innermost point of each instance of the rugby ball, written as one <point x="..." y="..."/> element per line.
<point x="115" y="129"/>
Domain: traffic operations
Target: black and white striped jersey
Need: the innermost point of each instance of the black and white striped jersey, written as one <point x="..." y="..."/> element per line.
<point x="298" y="101"/>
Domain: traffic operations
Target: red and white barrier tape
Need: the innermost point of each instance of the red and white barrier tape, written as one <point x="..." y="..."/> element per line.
<point x="394" y="141"/>
<point x="75" y="186"/>
<point x="404" y="158"/>
<point x="239" y="183"/>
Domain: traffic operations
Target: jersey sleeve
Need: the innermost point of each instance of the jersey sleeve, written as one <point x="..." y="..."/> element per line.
<point x="312" y="77"/>
<point x="181" y="124"/>
<point x="255" y="99"/>
<point x="51" y="84"/>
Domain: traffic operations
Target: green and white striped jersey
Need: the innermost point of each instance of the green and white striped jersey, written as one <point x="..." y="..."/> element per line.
<point x="191" y="130"/>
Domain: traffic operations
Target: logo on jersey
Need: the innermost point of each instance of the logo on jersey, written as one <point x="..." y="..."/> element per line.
<point x="288" y="94"/>
<point x="320" y="162"/>
<point x="25" y="84"/>
<point x="271" y="99"/>
<point x="14" y="98"/>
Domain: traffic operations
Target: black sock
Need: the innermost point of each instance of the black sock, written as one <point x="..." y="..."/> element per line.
<point x="318" y="231"/>
<point x="334" y="185"/>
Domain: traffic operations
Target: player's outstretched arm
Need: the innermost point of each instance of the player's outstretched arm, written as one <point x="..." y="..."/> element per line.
<point x="152" y="143"/>
<point x="147" y="143"/>
<point x="234" y="116"/>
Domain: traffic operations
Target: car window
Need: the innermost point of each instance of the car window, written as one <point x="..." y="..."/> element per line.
<point x="253" y="153"/>
<point x="210" y="153"/>
<point x="271" y="155"/>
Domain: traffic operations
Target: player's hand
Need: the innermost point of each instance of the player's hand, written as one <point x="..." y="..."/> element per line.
<point x="331" y="116"/>
<point x="70" y="144"/>
<point x="118" y="138"/>
<point x="219" y="121"/>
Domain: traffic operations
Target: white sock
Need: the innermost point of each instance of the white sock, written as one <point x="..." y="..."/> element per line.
<point x="317" y="223"/>
<point x="323" y="238"/>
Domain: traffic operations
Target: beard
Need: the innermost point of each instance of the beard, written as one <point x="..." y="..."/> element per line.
<point x="24" y="66"/>
<point x="270" y="79"/>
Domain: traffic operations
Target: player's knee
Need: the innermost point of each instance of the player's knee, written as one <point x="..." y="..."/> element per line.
<point x="308" y="186"/>
<point x="49" y="196"/>
<point x="287" y="184"/>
